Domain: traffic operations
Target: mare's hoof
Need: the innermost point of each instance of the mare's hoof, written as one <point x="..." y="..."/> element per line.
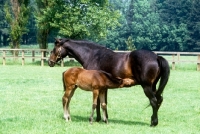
<point x="154" y="123"/>
<point x="98" y="119"/>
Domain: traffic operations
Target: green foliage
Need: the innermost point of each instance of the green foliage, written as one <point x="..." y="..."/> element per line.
<point x="130" y="44"/>
<point x="74" y="19"/>
<point x="167" y="25"/>
<point x="85" y="19"/>
<point x="3" y="22"/>
<point x="17" y="14"/>
<point x="43" y="19"/>
<point x="157" y="25"/>
<point x="146" y="25"/>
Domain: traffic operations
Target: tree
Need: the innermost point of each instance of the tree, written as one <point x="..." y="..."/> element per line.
<point x="146" y="25"/>
<point x="116" y="37"/>
<point x="85" y="19"/>
<point x="194" y="25"/>
<point x="130" y="44"/>
<point x="75" y="19"/>
<point x="3" y="26"/>
<point x="45" y="15"/>
<point x="174" y="16"/>
<point x="17" y="14"/>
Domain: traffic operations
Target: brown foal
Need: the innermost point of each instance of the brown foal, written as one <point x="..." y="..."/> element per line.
<point x="90" y="80"/>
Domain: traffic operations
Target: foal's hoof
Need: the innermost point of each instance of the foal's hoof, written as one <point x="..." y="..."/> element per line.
<point x="106" y="121"/>
<point x="90" y="120"/>
<point x="67" y="119"/>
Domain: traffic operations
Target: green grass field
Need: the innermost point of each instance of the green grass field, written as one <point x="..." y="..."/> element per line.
<point x="30" y="103"/>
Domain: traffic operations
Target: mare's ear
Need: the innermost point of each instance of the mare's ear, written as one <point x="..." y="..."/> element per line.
<point x="57" y="40"/>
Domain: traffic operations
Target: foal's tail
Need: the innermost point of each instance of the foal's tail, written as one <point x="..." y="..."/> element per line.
<point x="164" y="74"/>
<point x="63" y="78"/>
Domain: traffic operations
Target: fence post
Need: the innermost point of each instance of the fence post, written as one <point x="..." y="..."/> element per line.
<point x="178" y="56"/>
<point x="173" y="62"/>
<point x="62" y="63"/>
<point x="33" y="56"/>
<point x="198" y="63"/>
<point x="4" y="57"/>
<point x="42" y="58"/>
<point x="23" y="58"/>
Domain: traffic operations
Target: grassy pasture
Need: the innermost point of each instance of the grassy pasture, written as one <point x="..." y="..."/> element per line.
<point x="30" y="103"/>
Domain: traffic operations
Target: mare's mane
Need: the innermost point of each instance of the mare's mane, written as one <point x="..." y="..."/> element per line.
<point x="89" y="44"/>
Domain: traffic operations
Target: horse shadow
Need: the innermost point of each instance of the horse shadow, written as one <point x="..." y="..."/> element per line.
<point x="76" y="118"/>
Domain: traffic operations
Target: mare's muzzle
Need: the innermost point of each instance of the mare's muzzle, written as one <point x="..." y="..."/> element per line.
<point x="51" y="63"/>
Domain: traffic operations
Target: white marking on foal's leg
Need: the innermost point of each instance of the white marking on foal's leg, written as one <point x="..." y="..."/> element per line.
<point x="66" y="113"/>
<point x="92" y="114"/>
<point x="67" y="117"/>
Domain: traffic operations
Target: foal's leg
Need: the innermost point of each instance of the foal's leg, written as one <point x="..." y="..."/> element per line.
<point x="103" y="105"/>
<point x="94" y="105"/>
<point x="66" y="100"/>
<point x="98" y="107"/>
<point x="154" y="104"/>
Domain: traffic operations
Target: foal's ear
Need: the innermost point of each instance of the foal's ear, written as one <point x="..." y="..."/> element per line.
<point x="118" y="78"/>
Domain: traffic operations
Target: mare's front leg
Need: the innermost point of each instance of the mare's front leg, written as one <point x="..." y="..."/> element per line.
<point x="103" y="105"/>
<point x="66" y="100"/>
<point x="94" y="105"/>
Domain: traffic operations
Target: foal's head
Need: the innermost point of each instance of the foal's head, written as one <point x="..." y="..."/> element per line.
<point x="57" y="53"/>
<point x="127" y="82"/>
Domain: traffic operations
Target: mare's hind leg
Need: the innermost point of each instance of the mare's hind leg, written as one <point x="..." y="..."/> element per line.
<point x="158" y="96"/>
<point x="94" y="105"/>
<point x="154" y="104"/>
<point x="103" y="105"/>
<point x="66" y="100"/>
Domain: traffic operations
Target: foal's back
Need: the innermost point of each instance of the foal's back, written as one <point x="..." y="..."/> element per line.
<point x="90" y="79"/>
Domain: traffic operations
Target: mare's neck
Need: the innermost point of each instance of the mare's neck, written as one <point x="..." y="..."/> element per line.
<point x="81" y="53"/>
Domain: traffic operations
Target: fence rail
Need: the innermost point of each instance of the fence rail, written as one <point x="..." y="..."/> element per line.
<point x="24" y="54"/>
<point x="40" y="54"/>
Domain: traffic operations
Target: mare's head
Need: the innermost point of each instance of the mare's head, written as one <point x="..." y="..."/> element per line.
<point x="57" y="53"/>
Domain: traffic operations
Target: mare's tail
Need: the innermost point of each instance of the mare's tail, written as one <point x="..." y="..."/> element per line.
<point x="164" y="74"/>
<point x="63" y="78"/>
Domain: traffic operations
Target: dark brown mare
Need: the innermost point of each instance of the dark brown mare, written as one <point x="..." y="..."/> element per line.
<point x="90" y="80"/>
<point x="144" y="67"/>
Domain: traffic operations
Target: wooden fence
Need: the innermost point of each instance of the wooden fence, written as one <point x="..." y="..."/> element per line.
<point x="24" y="54"/>
<point x="174" y="57"/>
